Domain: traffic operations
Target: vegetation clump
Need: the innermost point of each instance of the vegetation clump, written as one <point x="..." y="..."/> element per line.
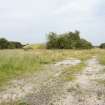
<point x="70" y="40"/>
<point x="5" y="44"/>
<point x="102" y="46"/>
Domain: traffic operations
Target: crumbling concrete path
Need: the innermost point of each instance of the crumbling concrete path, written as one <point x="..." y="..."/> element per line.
<point x="86" y="89"/>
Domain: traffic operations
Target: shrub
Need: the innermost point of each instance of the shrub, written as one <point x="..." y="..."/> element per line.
<point x="52" y="41"/>
<point x="102" y="46"/>
<point x="5" y="44"/>
<point x="70" y="40"/>
<point x="83" y="44"/>
<point x="13" y="45"/>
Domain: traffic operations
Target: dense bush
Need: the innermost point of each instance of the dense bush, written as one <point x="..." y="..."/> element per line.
<point x="5" y="44"/>
<point x="83" y="44"/>
<point x="70" y="40"/>
<point x="102" y="45"/>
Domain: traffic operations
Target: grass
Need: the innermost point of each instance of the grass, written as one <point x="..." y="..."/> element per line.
<point x="16" y="103"/>
<point x="70" y="72"/>
<point x="100" y="81"/>
<point x="17" y="63"/>
<point x="101" y="57"/>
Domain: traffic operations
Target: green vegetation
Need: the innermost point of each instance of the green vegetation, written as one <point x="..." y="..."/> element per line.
<point x="101" y="56"/>
<point x="70" y="72"/>
<point x="15" y="103"/>
<point x="102" y="46"/>
<point x="5" y="44"/>
<point x="17" y="63"/>
<point x="102" y="59"/>
<point x="100" y="81"/>
<point x="70" y="40"/>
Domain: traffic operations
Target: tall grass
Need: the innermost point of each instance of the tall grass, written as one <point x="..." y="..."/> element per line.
<point x="17" y="63"/>
<point x="101" y="57"/>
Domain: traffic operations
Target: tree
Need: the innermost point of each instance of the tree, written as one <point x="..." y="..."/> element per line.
<point x="70" y="40"/>
<point x="52" y="40"/>
<point x="83" y="44"/>
<point x="60" y="42"/>
<point x="102" y="46"/>
<point x="17" y="44"/>
<point x="3" y="43"/>
<point x="13" y="45"/>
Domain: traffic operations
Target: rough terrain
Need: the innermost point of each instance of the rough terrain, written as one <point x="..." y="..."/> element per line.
<point x="86" y="90"/>
<point x="48" y="88"/>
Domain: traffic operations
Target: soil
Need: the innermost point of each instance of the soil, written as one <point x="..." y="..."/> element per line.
<point x="48" y="88"/>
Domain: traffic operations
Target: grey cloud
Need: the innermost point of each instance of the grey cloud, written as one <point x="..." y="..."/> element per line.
<point x="30" y="20"/>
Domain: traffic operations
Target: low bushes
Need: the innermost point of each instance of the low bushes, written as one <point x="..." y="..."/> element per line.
<point x="5" y="44"/>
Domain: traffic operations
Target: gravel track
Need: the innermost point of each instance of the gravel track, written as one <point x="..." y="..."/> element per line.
<point x="48" y="88"/>
<point x="85" y="90"/>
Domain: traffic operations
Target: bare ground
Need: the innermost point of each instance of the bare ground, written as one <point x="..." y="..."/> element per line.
<point x="85" y="90"/>
<point x="48" y="88"/>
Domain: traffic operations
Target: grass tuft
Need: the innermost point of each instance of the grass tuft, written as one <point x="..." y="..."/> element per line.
<point x="70" y="72"/>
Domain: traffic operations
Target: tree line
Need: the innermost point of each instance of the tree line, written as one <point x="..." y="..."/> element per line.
<point x="102" y="46"/>
<point x="5" y="44"/>
<point x="69" y="40"/>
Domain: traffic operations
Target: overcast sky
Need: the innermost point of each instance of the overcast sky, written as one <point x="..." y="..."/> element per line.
<point x="30" y="20"/>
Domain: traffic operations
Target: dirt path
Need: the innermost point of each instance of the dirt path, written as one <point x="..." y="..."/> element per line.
<point x="85" y="90"/>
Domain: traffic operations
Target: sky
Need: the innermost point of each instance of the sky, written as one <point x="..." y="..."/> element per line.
<point x="29" y="21"/>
